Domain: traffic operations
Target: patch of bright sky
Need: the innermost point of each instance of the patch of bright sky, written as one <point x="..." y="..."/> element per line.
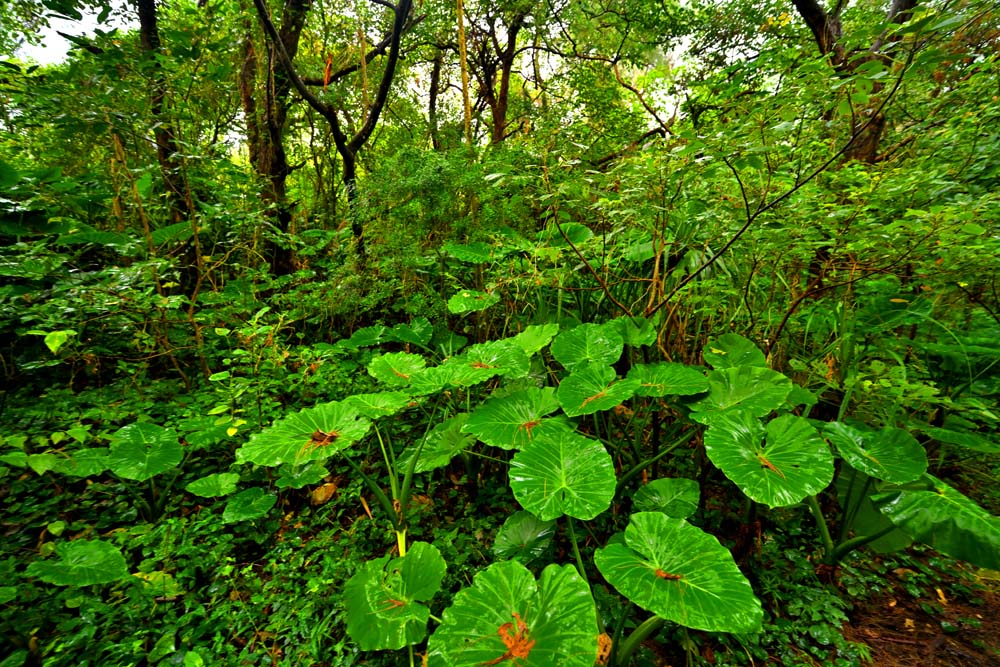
<point x="53" y="47"/>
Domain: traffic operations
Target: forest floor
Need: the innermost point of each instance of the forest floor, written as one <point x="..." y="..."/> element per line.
<point x="903" y="631"/>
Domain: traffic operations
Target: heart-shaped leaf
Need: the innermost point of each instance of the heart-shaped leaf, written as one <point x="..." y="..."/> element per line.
<point x="665" y="379"/>
<point x="81" y="563"/>
<point x="592" y="389"/>
<point x="396" y="368"/>
<point x="313" y="434"/>
<point x="974" y="441"/>
<point x="524" y="537"/>
<point x="566" y="473"/>
<point x="946" y="520"/>
<point x="778" y="466"/>
<point x="746" y="389"/>
<point x="506" y="618"/>
<point x="680" y="573"/>
<point x="248" y="505"/>
<point x="380" y="404"/>
<point x="535" y="337"/>
<point x="141" y="451"/>
<point x="297" y="476"/>
<point x="731" y="351"/>
<point x="219" y="484"/>
<point x="441" y="444"/>
<point x="891" y="454"/>
<point x="85" y="462"/>
<point x="417" y="332"/>
<point x="507" y="421"/>
<point x="673" y="496"/>
<point x="470" y="301"/>
<point x="587" y="344"/>
<point x="383" y="610"/>
<point x="635" y="331"/>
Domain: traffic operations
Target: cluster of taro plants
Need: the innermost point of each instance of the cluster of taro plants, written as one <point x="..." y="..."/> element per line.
<point x="568" y="411"/>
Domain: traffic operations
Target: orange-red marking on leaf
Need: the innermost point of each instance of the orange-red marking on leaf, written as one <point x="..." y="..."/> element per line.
<point x="668" y="576"/>
<point x="770" y="466"/>
<point x="600" y="394"/>
<point x="515" y="639"/>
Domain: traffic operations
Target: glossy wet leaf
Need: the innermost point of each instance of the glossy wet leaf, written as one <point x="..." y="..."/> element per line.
<point x="219" y="484"/>
<point x="85" y="462"/>
<point x="732" y="350"/>
<point x="383" y="598"/>
<point x="776" y="466"/>
<point x="507" y="421"/>
<point x="524" y="536"/>
<point x="891" y="454"/>
<point x="470" y="301"/>
<point x="248" y="505"/>
<point x="81" y="563"/>
<point x="566" y="473"/>
<point x="142" y="451"/>
<point x="549" y="622"/>
<point x="396" y="368"/>
<point x="593" y="389"/>
<point x="297" y="476"/>
<point x="487" y="360"/>
<point x="974" y="441"/>
<point x="379" y="404"/>
<point x="313" y="434"/>
<point x="587" y="344"/>
<point x="417" y="332"/>
<point x="441" y="444"/>
<point x="746" y="389"/>
<point x="681" y="573"/>
<point x="536" y="337"/>
<point x="675" y="497"/>
<point x="667" y="379"/>
<point x="854" y="490"/>
<point x="946" y="520"/>
<point x="635" y="331"/>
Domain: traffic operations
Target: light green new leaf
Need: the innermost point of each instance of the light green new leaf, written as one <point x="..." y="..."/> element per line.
<point x="471" y="253"/>
<point x="81" y="563"/>
<point x="587" y="344"/>
<point x="635" y="332"/>
<point x="487" y="360"/>
<point x="382" y="598"/>
<point x="946" y="520"/>
<point x="674" y="497"/>
<point x="417" y="332"/>
<point x="396" y="368"/>
<point x="293" y="476"/>
<point x="551" y="622"/>
<point x="471" y="301"/>
<point x="535" y="337"/>
<point x="891" y="454"/>
<point x="566" y="473"/>
<point x="524" y="537"/>
<point x="441" y="444"/>
<point x="592" y="389"/>
<point x="776" y="467"/>
<point x="667" y="379"/>
<point x="312" y="434"/>
<point x="219" y="484"/>
<point x="248" y="505"/>
<point x="141" y="451"/>
<point x="746" y="389"/>
<point x="507" y="422"/>
<point x="678" y="572"/>
<point x="732" y="350"/>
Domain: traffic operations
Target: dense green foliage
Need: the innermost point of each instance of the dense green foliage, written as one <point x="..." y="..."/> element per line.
<point x="494" y="333"/>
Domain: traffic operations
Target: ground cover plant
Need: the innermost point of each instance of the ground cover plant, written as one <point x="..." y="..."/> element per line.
<point x="501" y="334"/>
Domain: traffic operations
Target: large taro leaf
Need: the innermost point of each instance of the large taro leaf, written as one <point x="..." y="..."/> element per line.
<point x="587" y="344"/>
<point x="778" y="466"/>
<point x="470" y="301"/>
<point x="947" y="521"/>
<point x="248" y="505"/>
<point x="486" y="360"/>
<point x="506" y="618"/>
<point x="565" y="473"/>
<point x="535" y="337"/>
<point x="141" y="451"/>
<point x="396" y="368"/>
<point x="81" y="563"/>
<point x="219" y="484"/>
<point x="524" y="537"/>
<point x="674" y="497"/>
<point x="379" y="404"/>
<point x="592" y="389"/>
<point x="666" y="379"/>
<point x="970" y="440"/>
<point x="680" y="573"/>
<point x="854" y="491"/>
<point x="441" y="444"/>
<point x="746" y="389"/>
<point x="383" y="610"/>
<point x="508" y="421"/>
<point x="732" y="350"/>
<point x="891" y="454"/>
<point x="417" y="332"/>
<point x="312" y="434"/>
<point x="635" y="331"/>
